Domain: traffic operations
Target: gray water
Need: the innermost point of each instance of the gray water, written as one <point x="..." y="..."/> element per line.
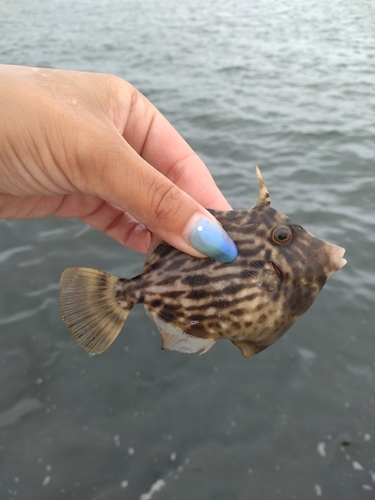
<point x="288" y="86"/>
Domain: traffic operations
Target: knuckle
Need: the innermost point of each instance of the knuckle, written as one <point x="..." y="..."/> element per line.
<point x="165" y="201"/>
<point x="180" y="171"/>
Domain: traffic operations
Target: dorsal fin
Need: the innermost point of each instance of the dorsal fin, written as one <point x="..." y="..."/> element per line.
<point x="264" y="197"/>
<point x="155" y="242"/>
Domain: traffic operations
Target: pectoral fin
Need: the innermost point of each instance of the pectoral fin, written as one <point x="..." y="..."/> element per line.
<point x="175" y="339"/>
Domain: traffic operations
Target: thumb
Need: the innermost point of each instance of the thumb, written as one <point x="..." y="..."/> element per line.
<point x="132" y="184"/>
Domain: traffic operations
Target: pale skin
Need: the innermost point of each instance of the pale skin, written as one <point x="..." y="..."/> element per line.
<point x="90" y="146"/>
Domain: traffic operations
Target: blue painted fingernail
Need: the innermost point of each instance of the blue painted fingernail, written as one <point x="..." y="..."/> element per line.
<point x="211" y="239"/>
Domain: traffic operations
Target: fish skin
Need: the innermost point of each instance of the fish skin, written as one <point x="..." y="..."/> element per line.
<point x="252" y="301"/>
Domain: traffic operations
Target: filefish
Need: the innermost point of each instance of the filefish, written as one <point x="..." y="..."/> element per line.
<point x="194" y="302"/>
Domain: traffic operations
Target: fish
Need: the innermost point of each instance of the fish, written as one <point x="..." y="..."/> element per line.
<point x="194" y="302"/>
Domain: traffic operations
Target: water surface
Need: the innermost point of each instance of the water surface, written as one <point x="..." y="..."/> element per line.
<point x="285" y="85"/>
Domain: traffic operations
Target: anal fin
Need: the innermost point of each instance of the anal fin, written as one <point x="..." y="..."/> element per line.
<point x="175" y="339"/>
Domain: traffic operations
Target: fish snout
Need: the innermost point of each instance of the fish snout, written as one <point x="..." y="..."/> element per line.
<point x="336" y="256"/>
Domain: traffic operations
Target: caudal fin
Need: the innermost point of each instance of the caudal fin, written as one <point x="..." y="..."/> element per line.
<point x="90" y="309"/>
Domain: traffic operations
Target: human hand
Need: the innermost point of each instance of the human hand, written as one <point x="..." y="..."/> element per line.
<point x="91" y="146"/>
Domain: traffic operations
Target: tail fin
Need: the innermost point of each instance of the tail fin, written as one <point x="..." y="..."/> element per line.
<point x="90" y="309"/>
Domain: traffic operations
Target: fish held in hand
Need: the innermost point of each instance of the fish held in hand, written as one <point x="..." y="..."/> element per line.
<point x="252" y="301"/>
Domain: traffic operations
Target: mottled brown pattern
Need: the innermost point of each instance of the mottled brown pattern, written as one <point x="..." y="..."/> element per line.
<point x="251" y="301"/>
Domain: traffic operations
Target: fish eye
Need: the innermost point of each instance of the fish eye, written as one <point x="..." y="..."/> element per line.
<point x="282" y="235"/>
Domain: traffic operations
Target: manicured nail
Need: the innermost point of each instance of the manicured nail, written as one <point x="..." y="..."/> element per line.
<point x="210" y="238"/>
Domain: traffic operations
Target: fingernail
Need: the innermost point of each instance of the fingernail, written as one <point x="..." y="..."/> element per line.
<point x="210" y="239"/>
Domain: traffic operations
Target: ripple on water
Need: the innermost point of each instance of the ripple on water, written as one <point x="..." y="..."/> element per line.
<point x="287" y="86"/>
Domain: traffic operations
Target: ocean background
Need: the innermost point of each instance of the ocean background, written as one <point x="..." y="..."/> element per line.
<point x="285" y="85"/>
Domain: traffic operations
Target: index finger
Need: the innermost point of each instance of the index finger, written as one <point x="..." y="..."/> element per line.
<point x="150" y="134"/>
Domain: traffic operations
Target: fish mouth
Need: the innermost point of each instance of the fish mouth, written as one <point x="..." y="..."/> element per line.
<point x="337" y="257"/>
